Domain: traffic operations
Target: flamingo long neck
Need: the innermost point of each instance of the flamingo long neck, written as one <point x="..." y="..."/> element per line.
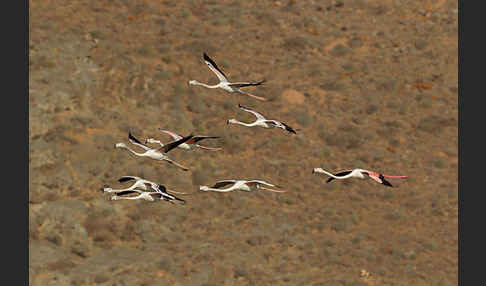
<point x="110" y="190"/>
<point x="220" y="190"/>
<point x="129" y="149"/>
<point x="205" y="85"/>
<point x="245" y="124"/>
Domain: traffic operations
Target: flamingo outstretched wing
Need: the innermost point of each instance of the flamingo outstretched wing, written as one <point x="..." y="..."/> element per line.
<point x="214" y="68"/>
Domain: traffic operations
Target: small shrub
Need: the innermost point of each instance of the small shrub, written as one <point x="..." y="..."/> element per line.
<point x="332" y="85"/>
<point x="303" y="118"/>
<point x="431" y="124"/>
<point x="341" y="226"/>
<point x="146" y="51"/>
<point x="340" y="50"/>
<point x="439" y="163"/>
<point x="430" y="245"/>
<point x="357" y="239"/>
<point x="388" y="196"/>
<point x="371" y="108"/>
<point x="96" y="34"/>
<point x="296" y="43"/>
<point x="394" y="215"/>
<point x="348" y="67"/>
<point x="409" y="254"/>
<point x="199" y="177"/>
<point x="330" y="243"/>
<point x="197" y="106"/>
<point x="163" y="75"/>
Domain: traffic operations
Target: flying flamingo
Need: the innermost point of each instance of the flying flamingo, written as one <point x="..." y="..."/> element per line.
<point x="191" y="144"/>
<point x="243" y="185"/>
<point x="139" y="183"/>
<point x="159" y="154"/>
<point x="358" y="173"/>
<point x="223" y="81"/>
<point x="160" y="194"/>
<point x="261" y="121"/>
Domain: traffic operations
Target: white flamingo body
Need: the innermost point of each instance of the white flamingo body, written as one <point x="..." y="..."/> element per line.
<point x="191" y="144"/>
<point x="159" y="191"/>
<point x="232" y="87"/>
<point x="243" y="185"/>
<point x="358" y="173"/>
<point x="148" y="196"/>
<point x="159" y="154"/>
<point x="139" y="183"/>
<point x="261" y="121"/>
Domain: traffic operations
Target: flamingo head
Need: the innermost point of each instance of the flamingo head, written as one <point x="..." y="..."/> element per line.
<point x="151" y="140"/>
<point x="231" y="121"/>
<point x="120" y="145"/>
<point x="203" y="188"/>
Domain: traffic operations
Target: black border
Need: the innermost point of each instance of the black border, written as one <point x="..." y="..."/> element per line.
<point x="22" y="72"/>
<point x="461" y="171"/>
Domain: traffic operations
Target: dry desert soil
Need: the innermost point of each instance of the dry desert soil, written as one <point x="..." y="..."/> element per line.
<point x="368" y="84"/>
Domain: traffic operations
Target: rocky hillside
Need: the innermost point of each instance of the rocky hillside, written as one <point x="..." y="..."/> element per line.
<point x="368" y="84"/>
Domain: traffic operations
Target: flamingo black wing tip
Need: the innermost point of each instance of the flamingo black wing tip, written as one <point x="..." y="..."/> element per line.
<point x="386" y="183"/>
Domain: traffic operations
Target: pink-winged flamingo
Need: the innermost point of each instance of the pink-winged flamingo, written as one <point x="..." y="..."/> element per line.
<point x="159" y="154"/>
<point x="357" y="173"/>
<point x="191" y="144"/>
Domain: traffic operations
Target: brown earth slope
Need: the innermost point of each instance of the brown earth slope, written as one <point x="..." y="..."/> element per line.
<point x="369" y="84"/>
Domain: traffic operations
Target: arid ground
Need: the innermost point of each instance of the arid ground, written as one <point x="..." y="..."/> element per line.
<point x="368" y="84"/>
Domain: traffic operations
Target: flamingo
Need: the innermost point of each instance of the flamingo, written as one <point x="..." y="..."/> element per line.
<point x="243" y="185"/>
<point x="261" y="121"/>
<point x="191" y="144"/>
<point x="159" y="154"/>
<point x="139" y="183"/>
<point x="159" y="194"/>
<point x="358" y="173"/>
<point x="233" y="87"/>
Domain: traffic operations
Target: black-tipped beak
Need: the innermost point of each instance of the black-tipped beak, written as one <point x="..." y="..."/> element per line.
<point x="313" y="171"/>
<point x="227" y="122"/>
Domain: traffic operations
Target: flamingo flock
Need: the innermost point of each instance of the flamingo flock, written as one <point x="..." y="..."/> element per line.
<point x="143" y="189"/>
